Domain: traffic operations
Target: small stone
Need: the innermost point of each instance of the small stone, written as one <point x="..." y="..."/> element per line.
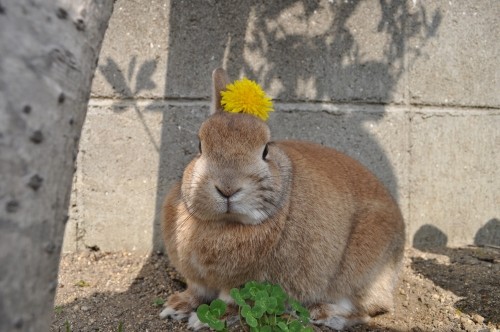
<point x="85" y="308"/>
<point x="27" y="109"/>
<point x="467" y="324"/>
<point x="478" y="318"/>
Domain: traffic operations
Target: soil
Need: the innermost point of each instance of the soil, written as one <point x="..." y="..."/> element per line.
<point x="446" y="289"/>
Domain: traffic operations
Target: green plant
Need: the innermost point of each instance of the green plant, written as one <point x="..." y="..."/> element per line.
<point x="58" y="309"/>
<point x="212" y="314"/>
<point x="67" y="326"/>
<point x="158" y="302"/>
<point x="82" y="283"/>
<point x="264" y="307"/>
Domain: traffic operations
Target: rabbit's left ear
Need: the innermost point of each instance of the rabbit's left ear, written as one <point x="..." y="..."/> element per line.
<point x="219" y="82"/>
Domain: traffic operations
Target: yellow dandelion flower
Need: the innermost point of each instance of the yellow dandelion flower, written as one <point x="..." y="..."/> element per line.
<point x="246" y="96"/>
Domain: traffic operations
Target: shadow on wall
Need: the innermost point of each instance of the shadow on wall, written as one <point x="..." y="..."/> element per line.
<point x="489" y="234"/>
<point x="471" y="273"/>
<point x="123" y="86"/>
<point x="298" y="51"/>
<point x="429" y="237"/>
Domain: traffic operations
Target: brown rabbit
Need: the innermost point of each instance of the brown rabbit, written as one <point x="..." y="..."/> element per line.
<point x="294" y="213"/>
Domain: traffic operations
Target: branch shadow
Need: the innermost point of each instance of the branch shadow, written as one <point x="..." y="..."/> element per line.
<point x="123" y="87"/>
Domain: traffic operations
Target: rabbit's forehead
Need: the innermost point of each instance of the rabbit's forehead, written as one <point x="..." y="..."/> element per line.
<point x="233" y="131"/>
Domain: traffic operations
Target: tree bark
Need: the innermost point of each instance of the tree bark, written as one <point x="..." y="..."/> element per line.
<point x="48" y="55"/>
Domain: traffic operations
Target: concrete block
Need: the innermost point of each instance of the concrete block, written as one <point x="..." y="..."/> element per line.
<point x="133" y="58"/>
<point x="459" y="66"/>
<point x="130" y="154"/>
<point x="119" y="155"/>
<point x="454" y="177"/>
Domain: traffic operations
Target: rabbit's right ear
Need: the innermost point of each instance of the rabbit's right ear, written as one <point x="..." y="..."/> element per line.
<point x="219" y="82"/>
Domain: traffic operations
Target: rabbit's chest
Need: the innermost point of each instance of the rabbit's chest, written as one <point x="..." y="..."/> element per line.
<point x="222" y="253"/>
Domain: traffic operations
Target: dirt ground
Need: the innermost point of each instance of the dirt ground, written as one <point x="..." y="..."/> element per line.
<point x="447" y="289"/>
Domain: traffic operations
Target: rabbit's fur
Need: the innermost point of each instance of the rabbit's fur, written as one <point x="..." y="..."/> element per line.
<point x="306" y="217"/>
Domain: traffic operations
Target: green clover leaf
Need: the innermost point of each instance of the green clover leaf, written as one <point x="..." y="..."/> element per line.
<point x="218" y="308"/>
<point x="283" y="326"/>
<point x="217" y="325"/>
<point x="251" y="321"/>
<point x="258" y="310"/>
<point x="202" y="312"/>
<point x="237" y="297"/>
<point x="246" y="310"/>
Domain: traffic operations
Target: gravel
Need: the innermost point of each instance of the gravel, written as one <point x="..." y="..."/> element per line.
<point x="445" y="289"/>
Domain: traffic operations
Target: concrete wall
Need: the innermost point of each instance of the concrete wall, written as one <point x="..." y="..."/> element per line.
<point x="411" y="89"/>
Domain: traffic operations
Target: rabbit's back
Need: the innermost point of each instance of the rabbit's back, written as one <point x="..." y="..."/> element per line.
<point x="336" y="204"/>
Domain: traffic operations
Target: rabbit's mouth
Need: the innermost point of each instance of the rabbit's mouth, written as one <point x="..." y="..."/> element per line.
<point x="240" y="218"/>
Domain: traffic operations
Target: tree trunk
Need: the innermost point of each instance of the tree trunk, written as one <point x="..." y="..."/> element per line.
<point x="48" y="54"/>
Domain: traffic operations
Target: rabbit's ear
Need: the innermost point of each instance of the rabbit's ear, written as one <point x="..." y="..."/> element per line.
<point x="219" y="81"/>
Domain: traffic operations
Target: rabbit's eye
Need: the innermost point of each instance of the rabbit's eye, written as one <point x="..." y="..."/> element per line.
<point x="199" y="146"/>
<point x="266" y="150"/>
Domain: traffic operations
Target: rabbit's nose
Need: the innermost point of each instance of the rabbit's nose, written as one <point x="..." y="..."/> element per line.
<point x="227" y="192"/>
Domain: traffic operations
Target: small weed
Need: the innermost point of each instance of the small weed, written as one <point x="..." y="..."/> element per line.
<point x="58" y="309"/>
<point x="263" y="307"/>
<point x="82" y="283"/>
<point x="67" y="326"/>
<point x="120" y="327"/>
<point x="158" y="302"/>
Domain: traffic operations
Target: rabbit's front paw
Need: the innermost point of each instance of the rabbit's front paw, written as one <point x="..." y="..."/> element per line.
<point x="337" y="315"/>
<point x="169" y="312"/>
<point x="178" y="306"/>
